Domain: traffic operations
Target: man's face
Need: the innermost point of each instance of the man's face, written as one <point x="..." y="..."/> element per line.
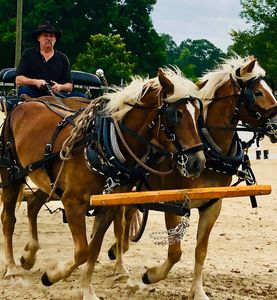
<point x="47" y="40"/>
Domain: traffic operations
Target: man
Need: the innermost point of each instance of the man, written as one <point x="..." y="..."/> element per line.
<point x="43" y="65"/>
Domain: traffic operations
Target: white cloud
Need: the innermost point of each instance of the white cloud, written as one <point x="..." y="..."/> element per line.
<point x="197" y="19"/>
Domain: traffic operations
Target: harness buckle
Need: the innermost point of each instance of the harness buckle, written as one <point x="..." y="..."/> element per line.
<point x="110" y="184"/>
<point x="48" y="149"/>
<point x="171" y="137"/>
<point x="63" y="122"/>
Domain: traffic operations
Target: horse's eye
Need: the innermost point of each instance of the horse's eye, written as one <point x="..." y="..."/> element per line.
<point x="258" y="93"/>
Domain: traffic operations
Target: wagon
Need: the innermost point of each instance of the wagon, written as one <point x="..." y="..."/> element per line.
<point x="89" y="84"/>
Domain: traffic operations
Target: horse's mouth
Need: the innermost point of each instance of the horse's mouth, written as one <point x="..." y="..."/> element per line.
<point x="190" y="166"/>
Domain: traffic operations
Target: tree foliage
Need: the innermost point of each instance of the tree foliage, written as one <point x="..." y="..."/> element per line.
<point x="202" y="54"/>
<point x="172" y="51"/>
<point x="7" y="33"/>
<point x="79" y="19"/>
<point x="260" y="40"/>
<point x="193" y="57"/>
<point x="108" y="53"/>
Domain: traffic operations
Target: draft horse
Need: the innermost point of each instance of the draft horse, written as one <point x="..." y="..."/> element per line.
<point x="108" y="146"/>
<point x="234" y="92"/>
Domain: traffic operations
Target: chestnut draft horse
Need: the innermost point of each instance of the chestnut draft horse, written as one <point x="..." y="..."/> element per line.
<point x="235" y="91"/>
<point x="117" y="147"/>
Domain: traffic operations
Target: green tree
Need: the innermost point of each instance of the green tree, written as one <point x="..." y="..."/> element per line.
<point x="198" y="56"/>
<point x="108" y="53"/>
<point x="7" y="33"/>
<point x="185" y="65"/>
<point x="171" y="48"/>
<point x="260" y="40"/>
<point x="79" y="19"/>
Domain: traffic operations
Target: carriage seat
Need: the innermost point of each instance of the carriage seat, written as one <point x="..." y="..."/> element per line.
<point x="8" y="97"/>
<point x="85" y="79"/>
<point x="7" y="75"/>
<point x="79" y="78"/>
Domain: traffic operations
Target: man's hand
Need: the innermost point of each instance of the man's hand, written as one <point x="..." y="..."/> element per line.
<point x="55" y="87"/>
<point x="40" y="83"/>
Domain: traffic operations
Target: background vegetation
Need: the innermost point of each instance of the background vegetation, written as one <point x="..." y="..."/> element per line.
<point x="118" y="36"/>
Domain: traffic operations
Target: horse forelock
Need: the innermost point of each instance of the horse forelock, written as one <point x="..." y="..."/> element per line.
<point x="216" y="78"/>
<point x="118" y="106"/>
<point x="183" y="87"/>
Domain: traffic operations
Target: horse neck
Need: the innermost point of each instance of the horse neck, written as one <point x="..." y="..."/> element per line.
<point x="220" y="114"/>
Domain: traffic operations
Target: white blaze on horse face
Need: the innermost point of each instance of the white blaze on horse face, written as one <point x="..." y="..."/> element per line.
<point x="191" y="110"/>
<point x="267" y="88"/>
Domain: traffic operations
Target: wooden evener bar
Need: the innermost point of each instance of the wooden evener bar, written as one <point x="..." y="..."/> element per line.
<point x="178" y="195"/>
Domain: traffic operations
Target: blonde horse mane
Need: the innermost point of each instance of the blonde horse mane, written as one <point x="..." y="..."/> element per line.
<point x="221" y="75"/>
<point x="118" y="106"/>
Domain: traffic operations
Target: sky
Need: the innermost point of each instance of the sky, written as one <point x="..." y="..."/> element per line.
<point x="199" y="19"/>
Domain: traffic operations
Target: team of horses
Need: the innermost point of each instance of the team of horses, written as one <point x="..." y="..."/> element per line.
<point x="234" y="92"/>
<point x="158" y="126"/>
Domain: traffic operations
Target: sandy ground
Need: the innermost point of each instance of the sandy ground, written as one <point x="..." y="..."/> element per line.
<point x="241" y="262"/>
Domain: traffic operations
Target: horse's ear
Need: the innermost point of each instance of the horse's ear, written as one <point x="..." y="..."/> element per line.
<point x="249" y="67"/>
<point x="201" y="84"/>
<point x="168" y="87"/>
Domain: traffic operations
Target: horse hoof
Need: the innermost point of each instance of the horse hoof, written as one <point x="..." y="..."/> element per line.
<point x="22" y="260"/>
<point x="145" y="279"/>
<point x="24" y="264"/>
<point x="111" y="254"/>
<point x="45" y="280"/>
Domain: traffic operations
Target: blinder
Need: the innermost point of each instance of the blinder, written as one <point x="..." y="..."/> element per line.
<point x="248" y="93"/>
<point x="172" y="116"/>
<point x="247" y="96"/>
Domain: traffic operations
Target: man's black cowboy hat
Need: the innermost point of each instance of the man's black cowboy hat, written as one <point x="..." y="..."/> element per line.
<point x="47" y="27"/>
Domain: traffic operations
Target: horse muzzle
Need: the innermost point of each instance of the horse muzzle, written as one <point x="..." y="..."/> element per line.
<point x="191" y="165"/>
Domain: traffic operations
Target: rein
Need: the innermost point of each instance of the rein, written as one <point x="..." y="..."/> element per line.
<point x="54" y="94"/>
<point x="169" y="110"/>
<point x="151" y="170"/>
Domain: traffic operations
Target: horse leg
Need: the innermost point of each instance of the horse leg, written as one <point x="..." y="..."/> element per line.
<point x="75" y="211"/>
<point x="129" y="213"/>
<point x="100" y="226"/>
<point x="34" y="204"/>
<point x="207" y="219"/>
<point x="119" y="230"/>
<point x="10" y="194"/>
<point x="160" y="272"/>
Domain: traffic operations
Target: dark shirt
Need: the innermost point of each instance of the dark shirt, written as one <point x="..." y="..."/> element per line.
<point x="33" y="65"/>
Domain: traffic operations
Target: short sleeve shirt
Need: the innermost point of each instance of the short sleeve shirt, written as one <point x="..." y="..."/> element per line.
<point x="33" y="65"/>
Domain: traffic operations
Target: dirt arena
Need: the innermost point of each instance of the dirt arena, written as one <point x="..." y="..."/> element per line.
<point x="241" y="262"/>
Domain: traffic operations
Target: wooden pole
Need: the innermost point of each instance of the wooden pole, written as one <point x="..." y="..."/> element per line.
<point x="179" y="195"/>
<point x="18" y="38"/>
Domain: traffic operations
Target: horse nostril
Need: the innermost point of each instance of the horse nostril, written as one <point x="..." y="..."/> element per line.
<point x="196" y="166"/>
